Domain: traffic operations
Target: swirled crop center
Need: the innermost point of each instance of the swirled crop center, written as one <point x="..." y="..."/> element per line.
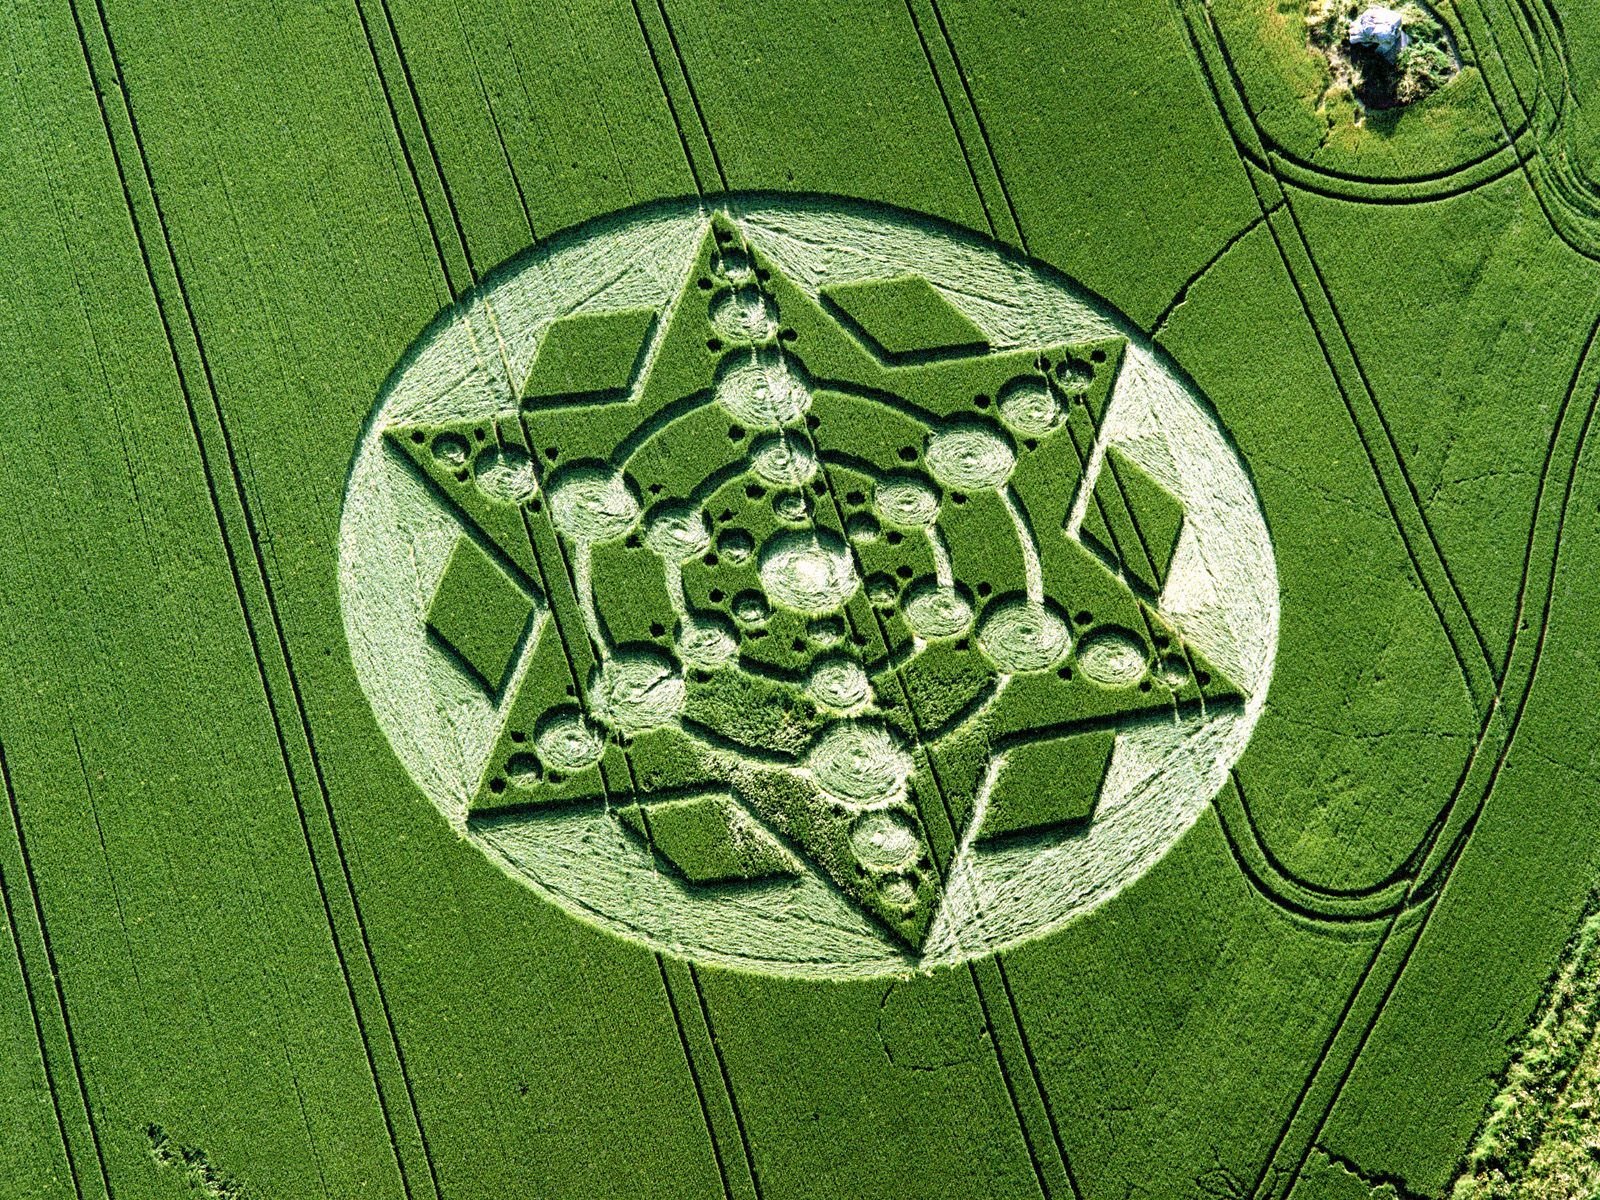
<point x="804" y="587"/>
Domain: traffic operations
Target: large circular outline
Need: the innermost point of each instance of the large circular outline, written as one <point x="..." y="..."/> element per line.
<point x="746" y="205"/>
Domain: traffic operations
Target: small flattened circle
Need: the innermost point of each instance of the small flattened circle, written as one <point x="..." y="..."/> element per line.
<point x="885" y="840"/>
<point x="567" y="744"/>
<point x="593" y="504"/>
<point x="863" y="527"/>
<point x="451" y="449"/>
<point x="907" y="500"/>
<point x="1028" y="406"/>
<point x="1174" y="671"/>
<point x="1076" y="377"/>
<point x="882" y="590"/>
<point x="790" y="507"/>
<point x="1023" y="635"/>
<point x="504" y="473"/>
<point x="825" y="632"/>
<point x="636" y="691"/>
<point x="707" y="641"/>
<point x="900" y="892"/>
<point x="522" y="770"/>
<point x="858" y="763"/>
<point x="764" y="390"/>
<point x="1111" y="658"/>
<point x="735" y="545"/>
<point x="751" y="608"/>
<point x="734" y="265"/>
<point x="783" y="460"/>
<point x="840" y="684"/>
<point x="969" y="456"/>
<point x="678" y="532"/>
<point x="744" y="315"/>
<point x="808" y="571"/>
<point x="933" y="610"/>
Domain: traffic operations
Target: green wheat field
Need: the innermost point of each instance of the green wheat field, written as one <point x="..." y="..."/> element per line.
<point x="660" y="598"/>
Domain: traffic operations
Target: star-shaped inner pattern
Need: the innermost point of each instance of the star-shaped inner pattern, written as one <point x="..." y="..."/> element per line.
<point x="786" y="582"/>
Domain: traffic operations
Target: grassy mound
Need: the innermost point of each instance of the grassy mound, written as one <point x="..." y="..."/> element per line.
<point x="1364" y="78"/>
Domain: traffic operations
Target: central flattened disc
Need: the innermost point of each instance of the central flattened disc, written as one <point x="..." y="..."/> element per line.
<point x="810" y="572"/>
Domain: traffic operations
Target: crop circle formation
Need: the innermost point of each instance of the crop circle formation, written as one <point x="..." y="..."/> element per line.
<point x="804" y="587"/>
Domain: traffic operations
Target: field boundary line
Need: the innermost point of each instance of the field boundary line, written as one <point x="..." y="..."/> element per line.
<point x="706" y="164"/>
<point x="62" y="1027"/>
<point x="988" y="188"/>
<point x="1548" y="205"/>
<point x="51" y="965"/>
<point x="494" y="122"/>
<point x="1271" y="1175"/>
<point x="1149" y="558"/>
<point x="447" y="266"/>
<point x="1028" y="1107"/>
<point x="421" y="179"/>
<point x="228" y="522"/>
<point x="415" y="109"/>
<point x="983" y="128"/>
<point x="1244" y="154"/>
<point x="1490" y="711"/>
<point x="993" y="1030"/>
<point x="1422" y="892"/>
<point x="1456" y="847"/>
<point x="694" y="97"/>
<point x="950" y="112"/>
<point x="1199" y="273"/>
<point x="1443" y="593"/>
<point x="991" y="205"/>
<point x="694" y="1075"/>
<point x="715" y="1122"/>
<point x="1305" y="175"/>
<point x="8" y="910"/>
<point x="688" y="1040"/>
<point x="752" y="1175"/>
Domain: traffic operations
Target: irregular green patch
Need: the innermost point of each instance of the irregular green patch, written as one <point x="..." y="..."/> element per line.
<point x="1286" y="83"/>
<point x="1541" y="1137"/>
<point x="194" y="1167"/>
